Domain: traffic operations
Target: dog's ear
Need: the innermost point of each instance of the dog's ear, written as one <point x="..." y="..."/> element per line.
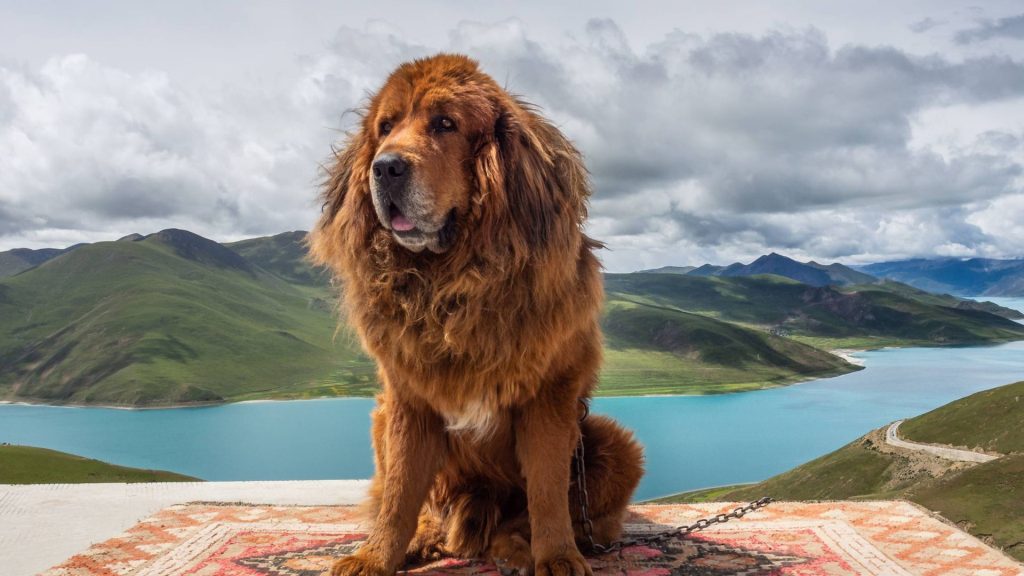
<point x="337" y="183"/>
<point x="343" y="175"/>
<point x="533" y="177"/>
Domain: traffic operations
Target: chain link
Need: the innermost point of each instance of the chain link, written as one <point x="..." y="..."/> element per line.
<point x="677" y="532"/>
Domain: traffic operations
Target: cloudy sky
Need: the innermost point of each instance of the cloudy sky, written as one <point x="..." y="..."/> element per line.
<point x="714" y="131"/>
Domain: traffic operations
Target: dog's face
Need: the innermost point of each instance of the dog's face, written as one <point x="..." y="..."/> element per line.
<point x="446" y="161"/>
<point x="423" y="126"/>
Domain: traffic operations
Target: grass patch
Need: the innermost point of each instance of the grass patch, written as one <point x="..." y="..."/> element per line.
<point x="989" y="420"/>
<point x="696" y="496"/>
<point x="986" y="500"/>
<point x="28" y="465"/>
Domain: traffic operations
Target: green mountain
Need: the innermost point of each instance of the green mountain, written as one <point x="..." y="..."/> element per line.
<point x="810" y="273"/>
<point x="27" y="465"/>
<point x="174" y="318"/>
<point x="985" y="499"/>
<point x="652" y="349"/>
<point x="857" y="316"/>
<point x="283" y="254"/>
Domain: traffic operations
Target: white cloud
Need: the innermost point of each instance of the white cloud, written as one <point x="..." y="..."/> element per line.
<point x="715" y="147"/>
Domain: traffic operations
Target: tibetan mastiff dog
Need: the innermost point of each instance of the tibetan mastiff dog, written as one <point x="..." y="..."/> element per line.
<point x="452" y="221"/>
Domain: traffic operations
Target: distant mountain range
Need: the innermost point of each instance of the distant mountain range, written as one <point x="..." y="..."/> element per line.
<point x="671" y="270"/>
<point x="972" y="277"/>
<point x="21" y="259"/>
<point x="888" y="314"/>
<point x="175" y="318"/>
<point x="810" y="273"/>
<point x="805" y="272"/>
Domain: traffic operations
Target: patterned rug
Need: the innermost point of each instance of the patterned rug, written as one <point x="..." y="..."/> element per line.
<point x="863" y="538"/>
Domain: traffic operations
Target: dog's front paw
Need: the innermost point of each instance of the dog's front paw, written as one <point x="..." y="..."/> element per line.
<point x="571" y="563"/>
<point x="357" y="565"/>
<point x="510" y="553"/>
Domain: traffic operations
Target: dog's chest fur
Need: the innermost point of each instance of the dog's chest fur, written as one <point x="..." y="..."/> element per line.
<point x="475" y="419"/>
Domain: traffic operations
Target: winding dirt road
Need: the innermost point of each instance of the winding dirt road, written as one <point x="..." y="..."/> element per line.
<point x="955" y="454"/>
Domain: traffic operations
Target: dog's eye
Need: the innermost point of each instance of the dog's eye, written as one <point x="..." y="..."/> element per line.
<point x="385" y="128"/>
<point x="442" y="124"/>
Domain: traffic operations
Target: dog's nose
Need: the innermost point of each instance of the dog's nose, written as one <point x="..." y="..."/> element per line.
<point x="390" y="170"/>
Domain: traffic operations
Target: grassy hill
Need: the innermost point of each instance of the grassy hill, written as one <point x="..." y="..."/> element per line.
<point x="653" y="349"/>
<point x="990" y="420"/>
<point x="27" y="465"/>
<point x="985" y="499"/>
<point x="173" y="318"/>
<point x="858" y="316"/>
<point x="283" y="254"/>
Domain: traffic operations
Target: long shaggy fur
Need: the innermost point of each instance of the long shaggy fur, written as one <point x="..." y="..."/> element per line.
<point x="485" y="349"/>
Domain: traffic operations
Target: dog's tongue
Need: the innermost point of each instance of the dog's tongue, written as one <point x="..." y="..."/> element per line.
<point x="400" y="223"/>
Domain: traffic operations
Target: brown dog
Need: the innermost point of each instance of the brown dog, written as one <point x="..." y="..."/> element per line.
<point x="453" y="220"/>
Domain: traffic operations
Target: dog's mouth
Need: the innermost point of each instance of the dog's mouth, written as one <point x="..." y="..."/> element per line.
<point x="399" y="222"/>
<point x="416" y="238"/>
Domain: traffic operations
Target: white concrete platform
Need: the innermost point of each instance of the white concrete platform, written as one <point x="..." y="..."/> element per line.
<point x="44" y="524"/>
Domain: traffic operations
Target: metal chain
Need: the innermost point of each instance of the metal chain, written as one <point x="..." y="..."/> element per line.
<point x="677" y="532"/>
<point x="581" y="486"/>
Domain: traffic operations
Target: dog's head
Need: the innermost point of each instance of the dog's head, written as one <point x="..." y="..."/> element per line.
<point x="446" y="156"/>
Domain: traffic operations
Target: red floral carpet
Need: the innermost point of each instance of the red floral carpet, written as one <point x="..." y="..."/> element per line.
<point x="864" y="538"/>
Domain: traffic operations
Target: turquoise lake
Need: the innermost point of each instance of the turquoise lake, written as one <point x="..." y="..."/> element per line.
<point x="691" y="441"/>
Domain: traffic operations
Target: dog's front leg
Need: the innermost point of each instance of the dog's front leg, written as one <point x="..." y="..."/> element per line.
<point x="414" y="452"/>
<point x="546" y="434"/>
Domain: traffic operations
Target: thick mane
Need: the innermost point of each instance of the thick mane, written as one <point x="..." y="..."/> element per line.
<point x="519" y="268"/>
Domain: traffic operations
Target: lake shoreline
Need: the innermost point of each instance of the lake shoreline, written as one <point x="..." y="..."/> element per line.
<point x="848" y="355"/>
<point x="858" y="365"/>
